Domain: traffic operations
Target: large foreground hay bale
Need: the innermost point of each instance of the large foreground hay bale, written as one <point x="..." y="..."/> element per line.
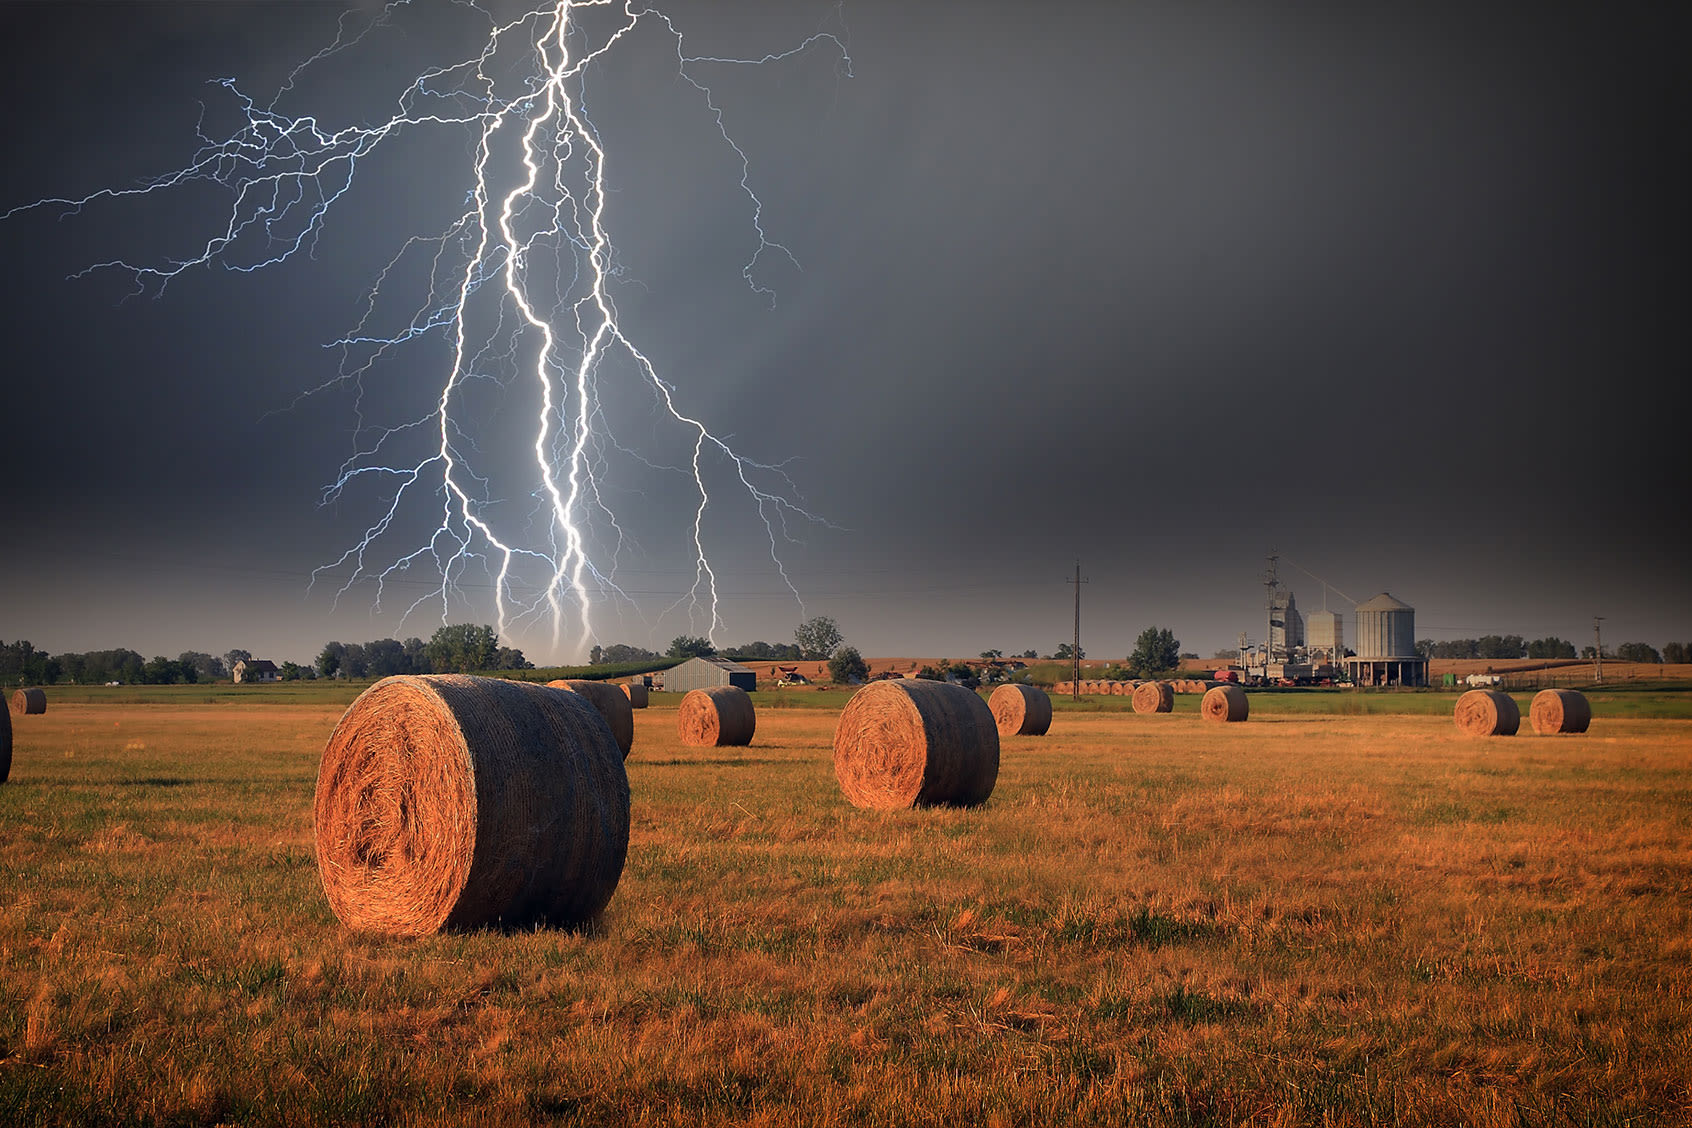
<point x="612" y="703"/>
<point x="448" y="801"/>
<point x="1559" y="710"/>
<point x="1153" y="697"/>
<point x="29" y="701"/>
<point x="636" y="692"/>
<point x="1486" y="712"/>
<point x="1225" y="703"/>
<point x="719" y="717"/>
<point x="916" y="743"/>
<point x="5" y="745"/>
<point x="1020" y="710"/>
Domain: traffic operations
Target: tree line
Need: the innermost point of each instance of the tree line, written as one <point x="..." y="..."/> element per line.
<point x="460" y="648"/>
<point x="1514" y="646"/>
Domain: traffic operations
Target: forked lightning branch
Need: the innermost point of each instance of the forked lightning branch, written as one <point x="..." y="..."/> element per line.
<point x="518" y="291"/>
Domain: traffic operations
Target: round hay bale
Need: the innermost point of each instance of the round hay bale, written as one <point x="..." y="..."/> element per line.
<point x="1020" y="710"/>
<point x="905" y="744"/>
<point x="1225" y="703"/>
<point x="29" y="701"/>
<point x="1559" y="710"/>
<point x="612" y="703"/>
<point x="5" y="745"/>
<point x="1121" y="689"/>
<point x="447" y="801"/>
<point x="636" y="692"/>
<point x="1154" y="697"/>
<point x="1486" y="712"/>
<point x="719" y="717"/>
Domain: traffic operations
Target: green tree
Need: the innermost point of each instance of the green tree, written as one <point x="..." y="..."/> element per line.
<point x="847" y="666"/>
<point x="619" y="652"/>
<point x="1156" y="651"/>
<point x="1065" y="652"/>
<point x="329" y="659"/>
<point x="690" y="646"/>
<point x="290" y="671"/>
<point x="992" y="655"/>
<point x="462" y="648"/>
<point x="1675" y="652"/>
<point x="818" y="637"/>
<point x="596" y="655"/>
<point x="1638" y="652"/>
<point x="1550" y="647"/>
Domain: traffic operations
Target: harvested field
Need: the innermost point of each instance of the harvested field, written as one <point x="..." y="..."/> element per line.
<point x="1339" y="920"/>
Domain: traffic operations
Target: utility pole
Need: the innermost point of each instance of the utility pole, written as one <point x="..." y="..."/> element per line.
<point x="1597" y="650"/>
<point x="1075" y="653"/>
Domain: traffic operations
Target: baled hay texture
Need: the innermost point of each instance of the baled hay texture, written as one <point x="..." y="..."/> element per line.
<point x="719" y="717"/>
<point x="1486" y="712"/>
<point x="636" y="692"/>
<point x="916" y="743"/>
<point x="5" y="745"/>
<point x="1225" y="703"/>
<point x="612" y="704"/>
<point x="1122" y="689"/>
<point x="1559" y="710"/>
<point x="1154" y="697"/>
<point x="448" y="801"/>
<point x="29" y="701"/>
<point x="1064" y="687"/>
<point x="1020" y="710"/>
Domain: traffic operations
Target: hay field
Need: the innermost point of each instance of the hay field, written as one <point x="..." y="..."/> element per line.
<point x="1297" y="920"/>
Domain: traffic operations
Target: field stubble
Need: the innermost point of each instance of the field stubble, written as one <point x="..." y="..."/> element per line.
<point x="1298" y="920"/>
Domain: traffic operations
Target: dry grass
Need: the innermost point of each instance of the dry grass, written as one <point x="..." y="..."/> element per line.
<point x="1334" y="920"/>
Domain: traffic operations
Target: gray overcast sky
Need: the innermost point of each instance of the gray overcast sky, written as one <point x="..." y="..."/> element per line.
<point x="1158" y="287"/>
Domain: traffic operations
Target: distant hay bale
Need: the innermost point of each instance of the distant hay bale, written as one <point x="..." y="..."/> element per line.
<point x="1154" y="697"/>
<point x="613" y="704"/>
<point x="5" y="744"/>
<point x="1020" y="710"/>
<point x="1064" y="687"/>
<point x="1121" y="689"/>
<point x="916" y="743"/>
<point x="1559" y="710"/>
<point x="1486" y="712"/>
<point x="636" y="692"/>
<point x="1225" y="703"/>
<point x="29" y="701"/>
<point x="452" y="802"/>
<point x="718" y="717"/>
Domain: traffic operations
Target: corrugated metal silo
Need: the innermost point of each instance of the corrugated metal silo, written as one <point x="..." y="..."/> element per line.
<point x="1386" y="628"/>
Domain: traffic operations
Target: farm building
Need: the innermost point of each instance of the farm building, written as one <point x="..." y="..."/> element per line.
<point x="256" y="670"/>
<point x="707" y="673"/>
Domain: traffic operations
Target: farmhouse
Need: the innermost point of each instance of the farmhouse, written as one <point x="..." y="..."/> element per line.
<point x="707" y="673"/>
<point x="256" y="670"/>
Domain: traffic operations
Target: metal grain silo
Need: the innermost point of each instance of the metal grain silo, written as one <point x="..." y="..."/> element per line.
<point x="1386" y="628"/>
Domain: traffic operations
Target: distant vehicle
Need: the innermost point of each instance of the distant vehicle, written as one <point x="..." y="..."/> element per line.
<point x="1227" y="676"/>
<point x="1480" y="681"/>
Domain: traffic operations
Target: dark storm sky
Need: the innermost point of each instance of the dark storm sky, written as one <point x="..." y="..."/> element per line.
<point x="1159" y="287"/>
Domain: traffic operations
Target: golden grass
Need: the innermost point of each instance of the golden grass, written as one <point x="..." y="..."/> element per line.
<point x="1334" y="920"/>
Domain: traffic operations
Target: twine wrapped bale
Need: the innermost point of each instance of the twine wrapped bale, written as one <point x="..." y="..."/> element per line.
<point x="5" y="745"/>
<point x="612" y="704"/>
<point x="447" y="801"/>
<point x="1225" y="703"/>
<point x="916" y="743"/>
<point x="28" y="701"/>
<point x="719" y="717"/>
<point x="1020" y="710"/>
<point x="1559" y="710"/>
<point x="1486" y="712"/>
<point x="1121" y="689"/>
<point x="1154" y="697"/>
<point x="636" y="692"/>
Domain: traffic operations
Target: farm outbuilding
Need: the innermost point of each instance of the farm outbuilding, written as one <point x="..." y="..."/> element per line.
<point x="708" y="673"/>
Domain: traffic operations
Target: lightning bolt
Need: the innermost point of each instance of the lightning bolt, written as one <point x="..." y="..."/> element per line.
<point x="518" y="287"/>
